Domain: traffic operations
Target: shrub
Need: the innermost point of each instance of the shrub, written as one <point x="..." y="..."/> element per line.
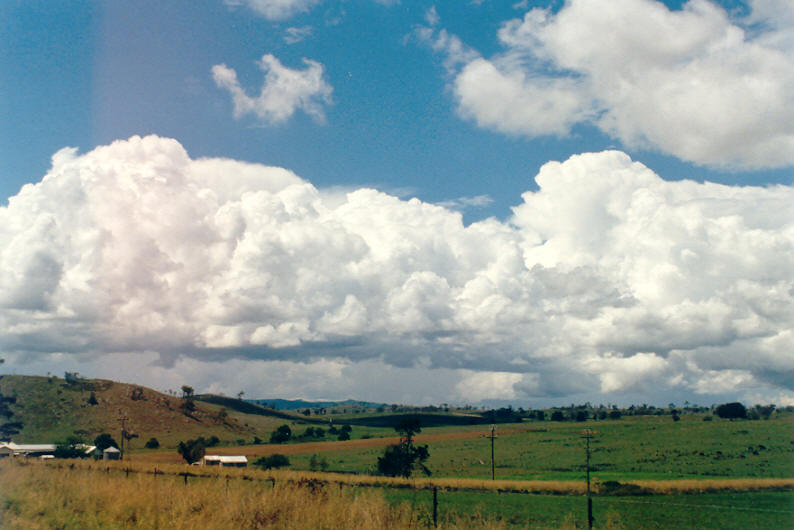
<point x="152" y="444"/>
<point x="103" y="441"/>
<point x="272" y="462"/>
<point x="318" y="463"/>
<point x="69" y="448"/>
<point x="281" y="435"/>
<point x="192" y="450"/>
<point x="557" y="416"/>
<point x="731" y="411"/>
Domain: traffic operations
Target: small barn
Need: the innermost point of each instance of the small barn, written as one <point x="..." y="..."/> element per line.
<point x="111" y="453"/>
<point x="12" y="449"/>
<point x="225" y="461"/>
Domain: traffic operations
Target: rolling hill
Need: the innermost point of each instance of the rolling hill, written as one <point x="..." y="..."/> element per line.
<point x="50" y="409"/>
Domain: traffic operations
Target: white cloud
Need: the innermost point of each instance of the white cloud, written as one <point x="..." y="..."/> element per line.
<point x="284" y="91"/>
<point x="463" y="203"/>
<point x="297" y="34"/>
<point x="276" y="9"/>
<point x="285" y="9"/>
<point x="695" y="83"/>
<point x="606" y="277"/>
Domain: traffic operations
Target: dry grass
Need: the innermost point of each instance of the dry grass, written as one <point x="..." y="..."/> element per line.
<point x="559" y="487"/>
<point x="37" y="495"/>
<point x="673" y="487"/>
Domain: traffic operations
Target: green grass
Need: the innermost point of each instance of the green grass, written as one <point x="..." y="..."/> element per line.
<point x="769" y="510"/>
<point x="642" y="447"/>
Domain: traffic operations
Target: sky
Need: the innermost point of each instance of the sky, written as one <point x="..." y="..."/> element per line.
<point x="524" y="202"/>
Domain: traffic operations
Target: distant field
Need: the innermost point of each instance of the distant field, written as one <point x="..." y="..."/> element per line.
<point x="641" y="447"/>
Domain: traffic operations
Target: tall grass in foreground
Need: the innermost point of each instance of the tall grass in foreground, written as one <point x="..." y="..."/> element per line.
<point x="35" y="495"/>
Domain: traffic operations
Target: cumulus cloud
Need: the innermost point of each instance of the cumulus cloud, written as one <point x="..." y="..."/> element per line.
<point x="607" y="279"/>
<point x="284" y="91"/>
<point x="699" y="83"/>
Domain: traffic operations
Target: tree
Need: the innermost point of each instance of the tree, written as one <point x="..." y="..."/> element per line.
<point x="764" y="412"/>
<point x="8" y="428"/>
<point x="187" y="392"/>
<point x="344" y="433"/>
<point x="70" y="448"/>
<point x="557" y="415"/>
<point x="401" y="459"/>
<point x="318" y="463"/>
<point x="281" y="435"/>
<point x="731" y="411"/>
<point x="272" y="462"/>
<point x="72" y="378"/>
<point x="103" y="441"/>
<point x="153" y="443"/>
<point x="192" y="450"/>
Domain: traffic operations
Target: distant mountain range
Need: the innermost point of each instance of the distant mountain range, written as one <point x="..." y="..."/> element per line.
<point x="296" y="404"/>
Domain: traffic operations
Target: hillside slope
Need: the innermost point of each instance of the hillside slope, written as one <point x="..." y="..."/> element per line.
<point x="52" y="409"/>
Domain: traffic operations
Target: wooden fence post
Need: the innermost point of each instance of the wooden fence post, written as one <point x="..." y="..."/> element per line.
<point x="435" y="506"/>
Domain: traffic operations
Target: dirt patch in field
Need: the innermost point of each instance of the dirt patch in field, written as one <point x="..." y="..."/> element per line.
<point x="255" y="451"/>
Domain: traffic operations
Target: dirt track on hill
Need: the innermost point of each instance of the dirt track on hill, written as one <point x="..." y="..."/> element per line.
<point x="255" y="451"/>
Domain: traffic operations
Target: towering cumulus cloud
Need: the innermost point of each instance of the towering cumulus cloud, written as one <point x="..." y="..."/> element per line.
<point x="606" y="276"/>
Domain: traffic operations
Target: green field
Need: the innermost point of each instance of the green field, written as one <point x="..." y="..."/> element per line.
<point x="639" y="447"/>
<point x="768" y="510"/>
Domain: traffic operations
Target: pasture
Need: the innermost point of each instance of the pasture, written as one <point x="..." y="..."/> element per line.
<point x="632" y="448"/>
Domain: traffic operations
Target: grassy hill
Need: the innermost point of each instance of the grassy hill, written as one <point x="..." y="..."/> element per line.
<point x="52" y="409"/>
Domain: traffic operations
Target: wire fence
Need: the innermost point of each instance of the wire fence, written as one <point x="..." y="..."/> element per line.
<point x="433" y="500"/>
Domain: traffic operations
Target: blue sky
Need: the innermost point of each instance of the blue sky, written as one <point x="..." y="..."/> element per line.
<point x="458" y="104"/>
<point x="84" y="74"/>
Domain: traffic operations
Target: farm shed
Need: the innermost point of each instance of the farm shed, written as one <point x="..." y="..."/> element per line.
<point x="225" y="461"/>
<point x="111" y="453"/>
<point x="12" y="449"/>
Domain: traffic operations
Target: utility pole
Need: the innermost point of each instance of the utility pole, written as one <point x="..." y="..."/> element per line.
<point x="492" y="436"/>
<point x="587" y="434"/>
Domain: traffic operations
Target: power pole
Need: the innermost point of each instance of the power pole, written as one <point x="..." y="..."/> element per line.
<point x="587" y="434"/>
<point x="492" y="436"/>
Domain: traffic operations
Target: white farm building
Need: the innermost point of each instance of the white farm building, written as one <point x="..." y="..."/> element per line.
<point x="225" y="461"/>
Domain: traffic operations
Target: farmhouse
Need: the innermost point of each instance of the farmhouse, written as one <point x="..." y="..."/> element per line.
<point x="225" y="461"/>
